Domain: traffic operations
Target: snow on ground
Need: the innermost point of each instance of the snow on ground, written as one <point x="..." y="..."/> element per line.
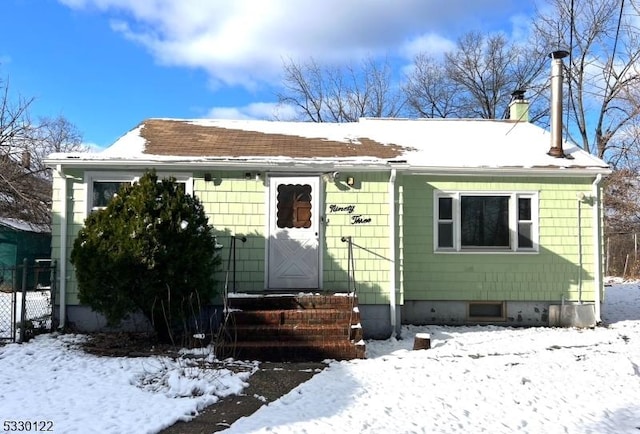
<point x="473" y="380"/>
<point x="50" y="379"/>
<point x="478" y="379"/>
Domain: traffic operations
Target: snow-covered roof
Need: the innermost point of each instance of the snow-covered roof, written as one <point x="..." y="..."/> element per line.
<point x="21" y="225"/>
<point x="416" y="144"/>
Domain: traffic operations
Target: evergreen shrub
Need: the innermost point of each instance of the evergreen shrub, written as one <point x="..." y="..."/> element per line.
<point x="151" y="250"/>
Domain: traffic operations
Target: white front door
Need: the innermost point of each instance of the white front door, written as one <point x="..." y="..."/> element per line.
<point x="294" y="233"/>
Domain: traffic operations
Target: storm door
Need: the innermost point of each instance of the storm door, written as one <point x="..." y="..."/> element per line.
<point x="293" y="250"/>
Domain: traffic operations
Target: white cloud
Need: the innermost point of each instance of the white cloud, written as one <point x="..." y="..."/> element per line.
<point x="243" y="42"/>
<point x="258" y="110"/>
<point x="520" y="28"/>
<point x="432" y="44"/>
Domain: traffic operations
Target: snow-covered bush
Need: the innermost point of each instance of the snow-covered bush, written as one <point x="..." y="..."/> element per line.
<point x="150" y="250"/>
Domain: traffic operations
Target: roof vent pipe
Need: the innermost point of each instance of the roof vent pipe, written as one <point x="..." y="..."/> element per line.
<point x="556" y="102"/>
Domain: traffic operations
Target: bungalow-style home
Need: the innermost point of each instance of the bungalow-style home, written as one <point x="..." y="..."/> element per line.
<point x="432" y="221"/>
<point x="450" y="221"/>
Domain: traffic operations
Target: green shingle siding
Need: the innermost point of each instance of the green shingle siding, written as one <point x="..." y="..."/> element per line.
<point x="75" y="219"/>
<point x="372" y="261"/>
<point x="548" y="275"/>
<point x="236" y="205"/>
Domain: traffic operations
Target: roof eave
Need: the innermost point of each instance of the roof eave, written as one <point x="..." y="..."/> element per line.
<point x="509" y="171"/>
<point x="220" y="163"/>
<point x="319" y="165"/>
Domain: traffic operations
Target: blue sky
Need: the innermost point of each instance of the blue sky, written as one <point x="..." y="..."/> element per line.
<point x="106" y="65"/>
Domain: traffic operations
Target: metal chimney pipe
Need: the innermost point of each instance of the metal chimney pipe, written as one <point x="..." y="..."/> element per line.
<point x="556" y="102"/>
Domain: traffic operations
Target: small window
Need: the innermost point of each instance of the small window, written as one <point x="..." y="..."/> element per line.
<point x="104" y="191"/>
<point x="294" y="206"/>
<point x="486" y="311"/>
<point x="525" y="223"/>
<point x="445" y="222"/>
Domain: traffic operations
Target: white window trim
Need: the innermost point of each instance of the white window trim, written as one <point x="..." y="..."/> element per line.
<point x="131" y="177"/>
<point x="513" y="222"/>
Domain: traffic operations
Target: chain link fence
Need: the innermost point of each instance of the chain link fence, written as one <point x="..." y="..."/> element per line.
<point x="26" y="300"/>
<point x="7" y="314"/>
<point x="621" y="255"/>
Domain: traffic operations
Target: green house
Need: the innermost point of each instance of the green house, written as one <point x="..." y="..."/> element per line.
<point x="432" y="221"/>
<point x="20" y="240"/>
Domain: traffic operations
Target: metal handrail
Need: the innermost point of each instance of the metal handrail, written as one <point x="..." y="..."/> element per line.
<point x="223" y="331"/>
<point x="351" y="280"/>
<point x="232" y="255"/>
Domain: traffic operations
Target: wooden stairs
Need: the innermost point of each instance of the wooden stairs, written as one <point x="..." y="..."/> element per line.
<point x="291" y="328"/>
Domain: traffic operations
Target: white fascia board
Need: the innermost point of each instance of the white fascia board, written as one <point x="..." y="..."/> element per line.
<point x="509" y="171"/>
<point x="209" y="164"/>
<point x="322" y="165"/>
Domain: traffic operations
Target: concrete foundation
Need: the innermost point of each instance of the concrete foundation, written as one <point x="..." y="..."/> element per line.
<point x="516" y="313"/>
<point x="572" y="315"/>
<point x="84" y="320"/>
<point x="375" y="320"/>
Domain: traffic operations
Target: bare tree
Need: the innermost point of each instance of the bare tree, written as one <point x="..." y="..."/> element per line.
<point x="622" y="201"/>
<point x="15" y="124"/>
<point x="476" y="79"/>
<point x="340" y="94"/>
<point x="25" y="186"/>
<point x="479" y="66"/>
<point x="429" y="91"/>
<point x="54" y="135"/>
<point x="602" y="105"/>
<point x="602" y="73"/>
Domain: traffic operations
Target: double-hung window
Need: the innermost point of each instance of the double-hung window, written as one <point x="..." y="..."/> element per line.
<point x="486" y="222"/>
<point x="103" y="186"/>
